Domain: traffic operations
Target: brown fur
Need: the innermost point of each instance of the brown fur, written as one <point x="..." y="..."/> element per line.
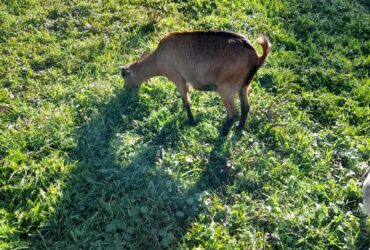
<point x="205" y="60"/>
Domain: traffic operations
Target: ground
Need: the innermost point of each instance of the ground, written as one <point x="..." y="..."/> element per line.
<point x="86" y="163"/>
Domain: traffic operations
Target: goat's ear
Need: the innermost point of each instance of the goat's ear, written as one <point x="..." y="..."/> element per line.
<point x="125" y="71"/>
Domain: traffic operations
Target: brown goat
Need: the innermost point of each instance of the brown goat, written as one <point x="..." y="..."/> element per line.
<point x="205" y="60"/>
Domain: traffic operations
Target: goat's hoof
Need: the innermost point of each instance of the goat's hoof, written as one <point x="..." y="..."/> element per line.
<point x="224" y="131"/>
<point x="240" y="127"/>
<point x="192" y="122"/>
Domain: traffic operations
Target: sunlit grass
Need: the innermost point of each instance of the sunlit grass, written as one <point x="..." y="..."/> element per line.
<point x="85" y="163"/>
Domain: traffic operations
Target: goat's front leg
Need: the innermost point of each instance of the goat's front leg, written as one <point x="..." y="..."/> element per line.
<point x="190" y="114"/>
<point x="183" y="89"/>
<point x="232" y="113"/>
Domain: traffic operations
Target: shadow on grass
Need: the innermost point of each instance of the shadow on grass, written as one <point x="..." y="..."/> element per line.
<point x="363" y="238"/>
<point x="120" y="195"/>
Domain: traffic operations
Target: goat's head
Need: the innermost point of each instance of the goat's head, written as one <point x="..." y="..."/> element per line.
<point x="133" y="74"/>
<point x="131" y="79"/>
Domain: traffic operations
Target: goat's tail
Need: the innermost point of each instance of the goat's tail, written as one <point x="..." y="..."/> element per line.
<point x="266" y="46"/>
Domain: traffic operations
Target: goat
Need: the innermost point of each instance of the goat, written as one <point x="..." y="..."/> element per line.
<point x="204" y="60"/>
<point x="366" y="192"/>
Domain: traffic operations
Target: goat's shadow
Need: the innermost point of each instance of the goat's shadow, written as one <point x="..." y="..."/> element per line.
<point x="121" y="194"/>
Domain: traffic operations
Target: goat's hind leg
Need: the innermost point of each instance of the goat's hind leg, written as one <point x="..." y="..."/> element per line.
<point x="227" y="98"/>
<point x="244" y="106"/>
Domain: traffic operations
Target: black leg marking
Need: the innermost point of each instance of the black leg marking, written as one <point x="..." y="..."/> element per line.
<point x="243" y="118"/>
<point x="227" y="125"/>
<point x="189" y="113"/>
<point x="244" y="107"/>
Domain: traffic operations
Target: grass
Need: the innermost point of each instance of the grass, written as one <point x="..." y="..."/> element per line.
<point x="86" y="163"/>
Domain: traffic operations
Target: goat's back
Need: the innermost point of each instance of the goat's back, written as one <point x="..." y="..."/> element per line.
<point x="206" y="57"/>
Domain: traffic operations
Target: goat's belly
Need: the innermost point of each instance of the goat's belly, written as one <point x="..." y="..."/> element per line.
<point x="204" y="87"/>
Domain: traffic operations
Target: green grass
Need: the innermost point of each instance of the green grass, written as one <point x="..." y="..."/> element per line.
<point x="87" y="164"/>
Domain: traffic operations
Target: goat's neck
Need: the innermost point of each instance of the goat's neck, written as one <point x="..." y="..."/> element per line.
<point x="147" y="67"/>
